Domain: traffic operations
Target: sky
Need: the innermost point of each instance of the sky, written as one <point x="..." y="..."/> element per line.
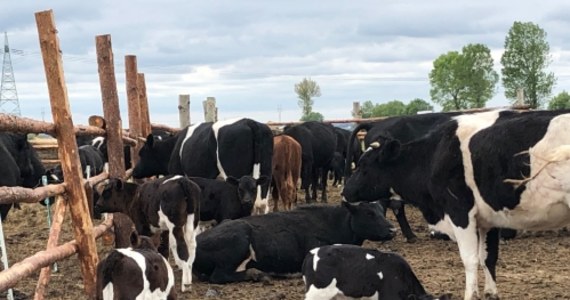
<point x="250" y="54"/>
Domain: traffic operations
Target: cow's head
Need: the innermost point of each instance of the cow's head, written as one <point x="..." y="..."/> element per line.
<point x="115" y="195"/>
<point x="368" y="222"/>
<point x="372" y="180"/>
<point x="247" y="187"/>
<point x="31" y="167"/>
<point x="150" y="161"/>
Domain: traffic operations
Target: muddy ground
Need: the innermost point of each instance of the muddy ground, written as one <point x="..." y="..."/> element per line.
<point x="530" y="267"/>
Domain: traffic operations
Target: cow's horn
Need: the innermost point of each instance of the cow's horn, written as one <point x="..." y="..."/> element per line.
<point x="375" y="145"/>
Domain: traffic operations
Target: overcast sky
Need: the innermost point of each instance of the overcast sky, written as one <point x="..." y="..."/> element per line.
<point x="250" y="54"/>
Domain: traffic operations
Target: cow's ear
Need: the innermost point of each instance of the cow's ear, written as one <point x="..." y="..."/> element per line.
<point x="262" y="180"/>
<point x="232" y="180"/>
<point x="389" y="151"/>
<point x="149" y="140"/>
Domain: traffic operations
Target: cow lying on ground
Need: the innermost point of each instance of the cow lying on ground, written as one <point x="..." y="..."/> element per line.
<point x="138" y="272"/>
<point x="359" y="273"/>
<point x="169" y="204"/>
<point x="236" y="147"/>
<point x="477" y="172"/>
<point x="278" y="242"/>
<point x="230" y="199"/>
<point x="286" y="171"/>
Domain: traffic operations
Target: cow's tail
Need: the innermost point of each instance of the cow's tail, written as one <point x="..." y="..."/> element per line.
<point x="193" y="195"/>
<point x="349" y="154"/>
<point x="262" y="153"/>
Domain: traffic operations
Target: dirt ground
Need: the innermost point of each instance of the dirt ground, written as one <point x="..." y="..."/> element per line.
<point x="534" y="266"/>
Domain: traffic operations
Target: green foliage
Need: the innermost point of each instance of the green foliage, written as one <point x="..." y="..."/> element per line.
<point x="526" y="57"/>
<point x="306" y="90"/>
<point x="560" y="101"/>
<point x="417" y="105"/>
<point x="463" y="80"/>
<point x="313" y="116"/>
<point x="394" y="108"/>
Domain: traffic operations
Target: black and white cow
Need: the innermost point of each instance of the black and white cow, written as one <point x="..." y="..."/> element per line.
<point x="169" y="205"/>
<point x="88" y="156"/>
<point x="236" y="147"/>
<point x="474" y="173"/>
<point x="229" y="199"/>
<point x="21" y="165"/>
<point x="137" y="272"/>
<point x="359" y="273"/>
<point x="403" y="129"/>
<point x="318" y="144"/>
<point x="278" y="242"/>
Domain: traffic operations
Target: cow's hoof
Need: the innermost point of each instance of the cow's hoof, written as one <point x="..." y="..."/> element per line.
<point x="412" y="239"/>
<point x="186" y="288"/>
<point x="491" y="296"/>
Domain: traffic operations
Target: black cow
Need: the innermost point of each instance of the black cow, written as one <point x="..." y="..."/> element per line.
<point x="318" y="144"/>
<point x="360" y="273"/>
<point x="404" y="129"/>
<point x="236" y="147"/>
<point x="230" y="199"/>
<point x="336" y="168"/>
<point x="170" y="205"/>
<point x="278" y="242"/>
<point x="138" y="272"/>
<point x="21" y="165"/>
<point x="476" y="172"/>
<point x="88" y="156"/>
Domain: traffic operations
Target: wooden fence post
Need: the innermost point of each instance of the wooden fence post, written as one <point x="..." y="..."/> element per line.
<point x="210" y="110"/>
<point x="67" y="148"/>
<point x="143" y="100"/>
<point x="184" y="110"/>
<point x="356" y="110"/>
<point x="133" y="104"/>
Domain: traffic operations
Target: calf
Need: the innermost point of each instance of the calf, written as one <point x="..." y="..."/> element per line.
<point x="278" y="242"/>
<point x="138" y="272"/>
<point x="230" y="199"/>
<point x="286" y="171"/>
<point x="359" y="273"/>
<point x="170" y="205"/>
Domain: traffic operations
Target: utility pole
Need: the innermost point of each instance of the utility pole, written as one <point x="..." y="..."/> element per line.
<point x="8" y="95"/>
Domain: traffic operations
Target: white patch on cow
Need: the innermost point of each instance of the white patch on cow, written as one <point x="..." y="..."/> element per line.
<point x="256" y="170"/>
<point x="190" y="234"/>
<point x="316" y="258"/>
<point x="188" y="135"/>
<point x="146" y="293"/>
<point x="54" y="177"/>
<point x="98" y="142"/>
<point x="304" y="279"/>
<point x="173" y="178"/>
<point x="394" y="195"/>
<point x="369" y="256"/>
<point x="444" y="226"/>
<point x="216" y="128"/>
<point x="328" y="292"/>
<point x="242" y="267"/>
<point x="108" y="292"/>
<point x="185" y="266"/>
<point x="380" y="275"/>
<point x="205" y="225"/>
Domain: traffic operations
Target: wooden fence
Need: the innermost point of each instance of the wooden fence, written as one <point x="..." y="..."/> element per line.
<point x="72" y="192"/>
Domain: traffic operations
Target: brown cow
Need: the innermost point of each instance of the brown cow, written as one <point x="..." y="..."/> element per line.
<point x="286" y="170"/>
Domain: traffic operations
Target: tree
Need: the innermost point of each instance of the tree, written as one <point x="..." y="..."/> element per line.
<point x="526" y="57"/>
<point x="392" y="108"/>
<point x="306" y="90"/>
<point x="313" y="116"/>
<point x="463" y="80"/>
<point x="367" y="109"/>
<point x="561" y="101"/>
<point x="417" y="105"/>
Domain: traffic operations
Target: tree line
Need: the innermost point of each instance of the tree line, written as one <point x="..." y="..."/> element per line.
<point x="466" y="79"/>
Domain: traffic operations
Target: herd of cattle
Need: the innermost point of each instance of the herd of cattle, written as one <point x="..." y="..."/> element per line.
<point x="470" y="175"/>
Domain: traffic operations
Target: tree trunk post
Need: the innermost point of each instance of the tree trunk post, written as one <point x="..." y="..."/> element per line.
<point x="143" y="100"/>
<point x="133" y="104"/>
<point x="210" y="111"/>
<point x="67" y="149"/>
<point x="356" y="110"/>
<point x="184" y="110"/>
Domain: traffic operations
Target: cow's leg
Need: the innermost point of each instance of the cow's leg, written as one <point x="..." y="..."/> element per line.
<point x="275" y="191"/>
<point x="314" y="183"/>
<point x="324" y="177"/>
<point x="397" y="207"/>
<point x="190" y="238"/>
<point x="488" y="255"/>
<point x="163" y="247"/>
<point x="468" y="243"/>
<point x="179" y="250"/>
